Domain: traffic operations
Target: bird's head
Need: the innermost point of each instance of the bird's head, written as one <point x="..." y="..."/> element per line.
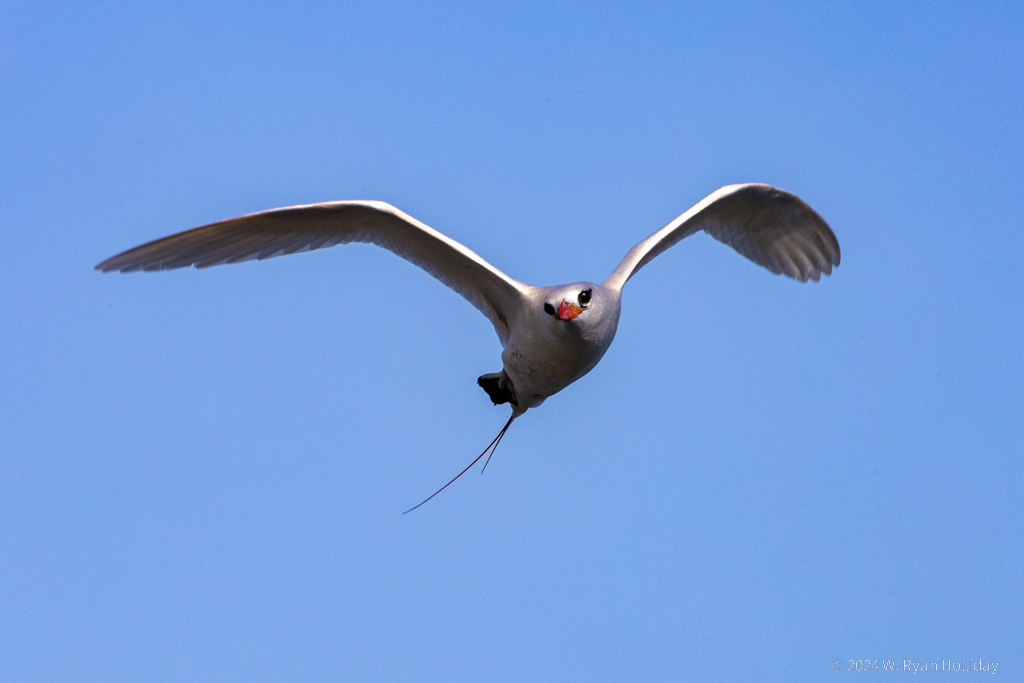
<point x="585" y="312"/>
<point x="582" y="304"/>
<point x="569" y="302"/>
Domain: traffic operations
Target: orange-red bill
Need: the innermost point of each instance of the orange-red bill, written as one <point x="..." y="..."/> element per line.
<point x="567" y="311"/>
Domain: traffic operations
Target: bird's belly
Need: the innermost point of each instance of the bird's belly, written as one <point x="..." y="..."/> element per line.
<point x="538" y="370"/>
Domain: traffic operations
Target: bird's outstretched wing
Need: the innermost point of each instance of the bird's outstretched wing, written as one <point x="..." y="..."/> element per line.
<point x="769" y="226"/>
<point x="294" y="229"/>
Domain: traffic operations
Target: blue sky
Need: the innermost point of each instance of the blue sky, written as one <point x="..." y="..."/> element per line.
<point x="203" y="471"/>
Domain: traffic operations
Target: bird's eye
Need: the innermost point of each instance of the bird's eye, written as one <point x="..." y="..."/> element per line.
<point x="584" y="297"/>
<point x="549" y="309"/>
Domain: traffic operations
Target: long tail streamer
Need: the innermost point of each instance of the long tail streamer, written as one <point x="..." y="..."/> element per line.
<point x="492" y="446"/>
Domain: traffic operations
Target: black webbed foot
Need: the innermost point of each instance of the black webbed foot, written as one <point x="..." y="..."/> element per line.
<point x="498" y="388"/>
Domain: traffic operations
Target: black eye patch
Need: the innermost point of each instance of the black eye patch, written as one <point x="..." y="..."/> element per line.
<point x="549" y="309"/>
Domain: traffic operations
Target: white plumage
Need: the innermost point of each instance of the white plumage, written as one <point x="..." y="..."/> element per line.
<point x="551" y="336"/>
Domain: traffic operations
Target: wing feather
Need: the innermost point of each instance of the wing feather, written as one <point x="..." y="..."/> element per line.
<point x="295" y="229"/>
<point x="771" y="227"/>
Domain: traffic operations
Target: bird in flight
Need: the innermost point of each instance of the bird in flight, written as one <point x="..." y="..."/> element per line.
<point x="551" y="336"/>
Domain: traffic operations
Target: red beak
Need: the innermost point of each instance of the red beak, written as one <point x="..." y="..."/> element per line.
<point x="567" y="311"/>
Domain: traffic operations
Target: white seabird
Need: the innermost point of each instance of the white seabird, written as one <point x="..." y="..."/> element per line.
<point x="551" y="336"/>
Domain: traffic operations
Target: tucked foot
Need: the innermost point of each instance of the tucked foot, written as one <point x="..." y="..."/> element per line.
<point x="498" y="388"/>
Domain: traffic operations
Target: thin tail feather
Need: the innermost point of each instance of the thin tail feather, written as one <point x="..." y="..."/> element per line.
<point x="498" y="441"/>
<point x="492" y="446"/>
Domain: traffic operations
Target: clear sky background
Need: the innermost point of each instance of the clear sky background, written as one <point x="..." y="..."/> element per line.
<point x="202" y="472"/>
